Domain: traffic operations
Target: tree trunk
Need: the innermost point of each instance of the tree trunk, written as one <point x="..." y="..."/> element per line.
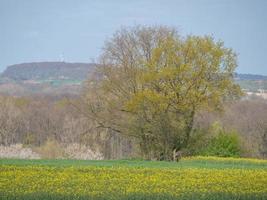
<point x="189" y="128"/>
<point x="176" y="155"/>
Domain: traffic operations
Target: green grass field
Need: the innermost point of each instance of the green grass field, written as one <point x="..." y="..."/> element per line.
<point x="185" y="163"/>
<point x="191" y="178"/>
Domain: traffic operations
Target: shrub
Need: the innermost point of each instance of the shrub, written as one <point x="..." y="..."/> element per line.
<point x="214" y="141"/>
<point x="223" y="145"/>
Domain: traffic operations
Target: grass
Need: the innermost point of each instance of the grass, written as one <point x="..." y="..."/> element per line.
<point x="196" y="162"/>
<point x="201" y="178"/>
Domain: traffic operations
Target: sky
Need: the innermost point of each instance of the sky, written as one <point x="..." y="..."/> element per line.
<point x="75" y="30"/>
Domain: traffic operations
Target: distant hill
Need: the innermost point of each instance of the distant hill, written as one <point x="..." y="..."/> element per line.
<point x="61" y="78"/>
<point x="45" y="78"/>
<point x="251" y="82"/>
<point x="71" y="71"/>
<point x="252" y="77"/>
<point x="48" y="71"/>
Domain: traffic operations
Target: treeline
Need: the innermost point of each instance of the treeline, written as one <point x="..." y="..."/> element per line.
<point x="40" y="121"/>
<point x="33" y="121"/>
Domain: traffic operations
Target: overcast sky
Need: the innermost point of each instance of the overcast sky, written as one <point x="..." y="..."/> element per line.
<point x="47" y="30"/>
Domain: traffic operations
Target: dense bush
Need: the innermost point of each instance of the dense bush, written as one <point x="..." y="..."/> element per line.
<point x="223" y="145"/>
<point x="215" y="141"/>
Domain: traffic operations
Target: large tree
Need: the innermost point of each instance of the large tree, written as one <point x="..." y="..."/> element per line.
<point x="151" y="82"/>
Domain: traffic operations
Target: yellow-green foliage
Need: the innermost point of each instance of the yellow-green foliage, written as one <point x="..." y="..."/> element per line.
<point x="186" y="73"/>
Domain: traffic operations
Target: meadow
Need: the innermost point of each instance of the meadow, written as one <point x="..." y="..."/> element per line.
<point x="191" y="178"/>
